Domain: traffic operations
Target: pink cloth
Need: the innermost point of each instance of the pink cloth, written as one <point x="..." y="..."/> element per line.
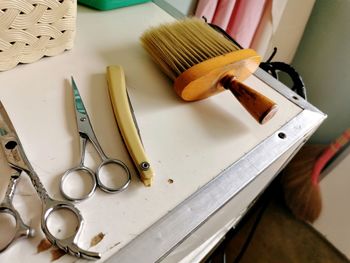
<point x="223" y="12"/>
<point x="264" y="32"/>
<point x="239" y="18"/>
<point x="245" y="20"/>
<point x="206" y="8"/>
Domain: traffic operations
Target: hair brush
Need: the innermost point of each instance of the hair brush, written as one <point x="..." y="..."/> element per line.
<point x="202" y="63"/>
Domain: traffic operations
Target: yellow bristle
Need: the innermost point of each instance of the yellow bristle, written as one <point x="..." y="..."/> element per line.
<point x="178" y="46"/>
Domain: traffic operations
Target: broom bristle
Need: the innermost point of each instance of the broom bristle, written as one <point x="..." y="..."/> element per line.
<point x="180" y="45"/>
<point x="300" y="194"/>
<point x="304" y="200"/>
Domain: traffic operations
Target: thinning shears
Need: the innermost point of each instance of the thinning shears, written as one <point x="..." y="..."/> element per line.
<point x="87" y="133"/>
<point x="19" y="163"/>
<point x="21" y="229"/>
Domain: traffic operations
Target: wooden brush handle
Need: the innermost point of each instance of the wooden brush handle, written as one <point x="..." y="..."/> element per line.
<point x="258" y="105"/>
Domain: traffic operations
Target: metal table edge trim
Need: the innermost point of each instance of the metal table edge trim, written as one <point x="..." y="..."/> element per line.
<point x="163" y="236"/>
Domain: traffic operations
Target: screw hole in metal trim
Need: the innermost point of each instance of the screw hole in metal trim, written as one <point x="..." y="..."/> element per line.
<point x="282" y="135"/>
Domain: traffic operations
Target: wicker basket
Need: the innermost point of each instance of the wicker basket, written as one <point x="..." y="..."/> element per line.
<point x="31" y="29"/>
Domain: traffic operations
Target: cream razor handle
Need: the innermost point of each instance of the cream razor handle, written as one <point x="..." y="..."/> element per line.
<point x="127" y="123"/>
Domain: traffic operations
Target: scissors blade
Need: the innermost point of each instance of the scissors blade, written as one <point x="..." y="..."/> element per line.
<point x="11" y="144"/>
<point x="78" y="102"/>
<point x="82" y="118"/>
<point x="134" y="117"/>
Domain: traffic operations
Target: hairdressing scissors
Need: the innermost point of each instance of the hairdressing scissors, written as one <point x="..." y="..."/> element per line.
<point x="21" y="229"/>
<point x="87" y="133"/>
<point x="19" y="163"/>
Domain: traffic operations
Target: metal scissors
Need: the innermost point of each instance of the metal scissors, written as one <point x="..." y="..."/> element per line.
<point x="87" y="133"/>
<point x="21" y="229"/>
<point x="19" y="163"/>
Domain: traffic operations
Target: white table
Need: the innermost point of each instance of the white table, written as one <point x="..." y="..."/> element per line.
<point x="214" y="152"/>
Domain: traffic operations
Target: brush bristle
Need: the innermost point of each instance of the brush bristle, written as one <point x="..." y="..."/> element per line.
<point x="180" y="45"/>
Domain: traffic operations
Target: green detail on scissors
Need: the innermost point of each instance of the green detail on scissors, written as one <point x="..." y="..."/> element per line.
<point x="78" y="102"/>
<point x="2" y="132"/>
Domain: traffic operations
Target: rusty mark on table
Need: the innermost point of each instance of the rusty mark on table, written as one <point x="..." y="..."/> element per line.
<point x="170" y="181"/>
<point x="56" y="254"/>
<point x="97" y="239"/>
<point x="43" y="245"/>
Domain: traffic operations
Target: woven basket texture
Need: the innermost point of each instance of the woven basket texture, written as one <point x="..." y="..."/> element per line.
<point x="31" y="29"/>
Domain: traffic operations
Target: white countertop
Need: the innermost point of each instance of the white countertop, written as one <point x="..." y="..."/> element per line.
<point x="190" y="143"/>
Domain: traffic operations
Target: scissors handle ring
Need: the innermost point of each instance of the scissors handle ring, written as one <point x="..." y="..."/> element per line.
<point x="69" y="244"/>
<point x="21" y="229"/>
<point x="70" y="172"/>
<point x="106" y="188"/>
